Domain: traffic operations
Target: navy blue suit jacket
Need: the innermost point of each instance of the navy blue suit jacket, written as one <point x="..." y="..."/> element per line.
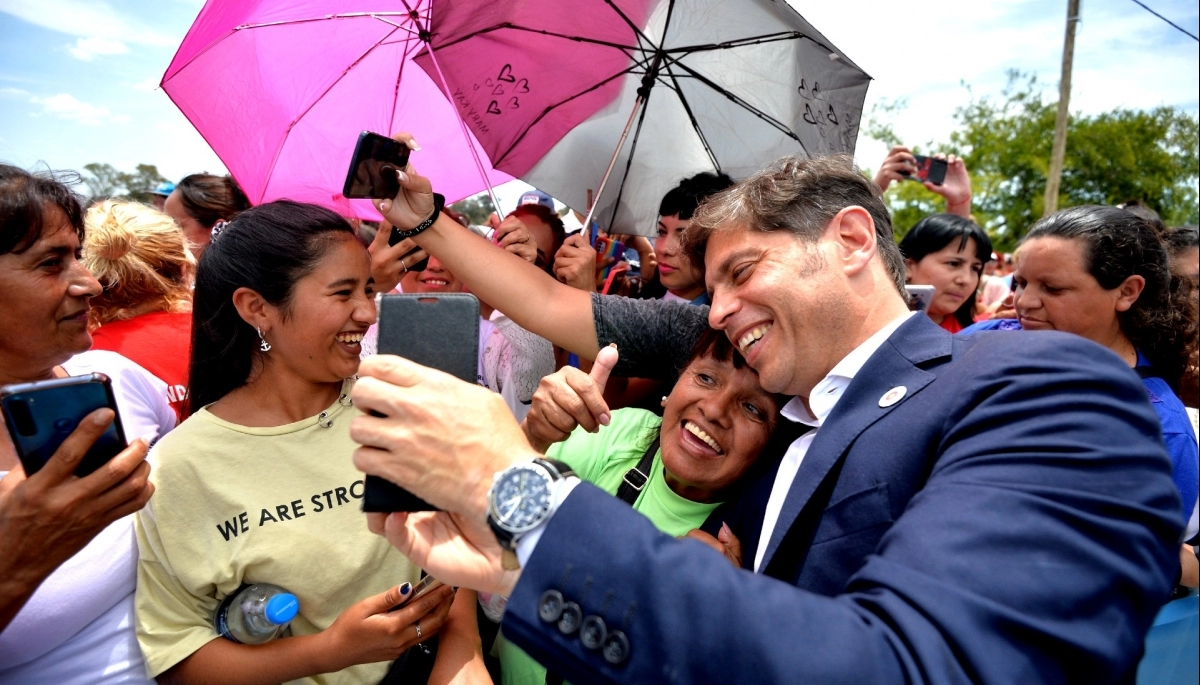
<point x="1011" y="520"/>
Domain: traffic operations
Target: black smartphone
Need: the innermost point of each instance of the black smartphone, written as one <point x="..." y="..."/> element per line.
<point x="40" y="415"/>
<point x="929" y="169"/>
<point x="438" y="331"/>
<point x="372" y="172"/>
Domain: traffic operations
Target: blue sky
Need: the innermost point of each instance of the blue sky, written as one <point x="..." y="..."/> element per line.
<point x="78" y="78"/>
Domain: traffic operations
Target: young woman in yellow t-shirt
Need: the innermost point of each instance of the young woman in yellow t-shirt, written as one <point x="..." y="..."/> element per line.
<point x="257" y="484"/>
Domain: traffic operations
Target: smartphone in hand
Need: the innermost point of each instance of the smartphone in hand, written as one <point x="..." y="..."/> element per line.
<point x="40" y="415"/>
<point x="929" y="169"/>
<point x="372" y="172"/>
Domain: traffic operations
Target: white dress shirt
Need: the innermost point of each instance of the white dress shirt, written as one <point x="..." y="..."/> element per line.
<point x="824" y="397"/>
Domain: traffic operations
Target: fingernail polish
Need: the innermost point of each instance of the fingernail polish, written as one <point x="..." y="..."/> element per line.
<point x="401" y="175"/>
<point x="405" y="589"/>
<point x="414" y="145"/>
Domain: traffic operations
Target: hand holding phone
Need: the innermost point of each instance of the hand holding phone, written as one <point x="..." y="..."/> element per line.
<point x="372" y="172"/>
<point x="929" y="170"/>
<point x="40" y="415"/>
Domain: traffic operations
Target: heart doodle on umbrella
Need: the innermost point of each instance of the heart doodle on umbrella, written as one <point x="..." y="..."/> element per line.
<point x="475" y="87"/>
<point x="493" y="107"/>
<point x="489" y="82"/>
<point x="803" y="90"/>
<point x="498" y="90"/>
<point x="808" y="115"/>
<point x="522" y="86"/>
<point x="506" y="74"/>
<point x="514" y="104"/>
<point x="832" y="116"/>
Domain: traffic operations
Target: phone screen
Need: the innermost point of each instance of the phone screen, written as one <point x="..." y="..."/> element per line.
<point x="929" y="169"/>
<point x="40" y="416"/>
<point x="372" y="172"/>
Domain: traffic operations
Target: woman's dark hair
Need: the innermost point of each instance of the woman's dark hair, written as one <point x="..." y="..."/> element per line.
<point x="211" y="198"/>
<point x="715" y="345"/>
<point x="1181" y="238"/>
<point x="267" y="249"/>
<point x="26" y="198"/>
<point x="684" y="198"/>
<point x="935" y="232"/>
<point x="1137" y="207"/>
<point x="1118" y="244"/>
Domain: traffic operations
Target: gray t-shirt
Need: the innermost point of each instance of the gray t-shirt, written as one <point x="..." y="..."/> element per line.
<point x="654" y="337"/>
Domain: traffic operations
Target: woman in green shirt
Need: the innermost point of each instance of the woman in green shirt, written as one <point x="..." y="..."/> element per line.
<point x="715" y="423"/>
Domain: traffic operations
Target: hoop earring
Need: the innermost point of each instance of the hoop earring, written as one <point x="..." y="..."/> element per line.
<point x="263" y="345"/>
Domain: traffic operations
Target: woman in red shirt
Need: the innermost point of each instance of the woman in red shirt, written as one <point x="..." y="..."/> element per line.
<point x="947" y="252"/>
<point x="141" y="258"/>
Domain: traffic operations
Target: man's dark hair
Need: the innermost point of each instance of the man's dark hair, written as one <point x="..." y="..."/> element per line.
<point x="267" y="249"/>
<point x="691" y="192"/>
<point x="25" y="201"/>
<point x="1181" y="238"/>
<point x="800" y="196"/>
<point x="1140" y="209"/>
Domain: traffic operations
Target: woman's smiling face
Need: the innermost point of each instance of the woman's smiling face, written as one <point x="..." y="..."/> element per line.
<point x="716" y="421"/>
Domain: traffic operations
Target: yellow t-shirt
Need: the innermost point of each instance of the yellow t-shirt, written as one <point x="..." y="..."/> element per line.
<point x="235" y="505"/>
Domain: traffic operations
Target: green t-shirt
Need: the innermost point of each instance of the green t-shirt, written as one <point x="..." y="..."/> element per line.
<point x="602" y="458"/>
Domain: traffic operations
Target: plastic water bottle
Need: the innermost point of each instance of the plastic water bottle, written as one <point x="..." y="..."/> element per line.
<point x="256" y="613"/>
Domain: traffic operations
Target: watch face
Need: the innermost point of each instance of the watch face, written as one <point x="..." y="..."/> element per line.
<point x="521" y="498"/>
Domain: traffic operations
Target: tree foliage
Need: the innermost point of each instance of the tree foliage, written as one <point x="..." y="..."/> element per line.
<point x="104" y="180"/>
<point x="477" y="208"/>
<point x="1113" y="157"/>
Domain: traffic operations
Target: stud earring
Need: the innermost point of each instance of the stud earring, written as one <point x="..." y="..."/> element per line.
<point x="263" y="345"/>
<point x="664" y="401"/>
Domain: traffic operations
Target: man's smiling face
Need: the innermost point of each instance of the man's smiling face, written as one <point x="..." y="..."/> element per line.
<point x="779" y="302"/>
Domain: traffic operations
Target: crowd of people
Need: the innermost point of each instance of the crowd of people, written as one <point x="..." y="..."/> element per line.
<point x="747" y="450"/>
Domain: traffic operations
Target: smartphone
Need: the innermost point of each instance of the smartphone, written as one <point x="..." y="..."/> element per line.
<point x="438" y="331"/>
<point x="40" y="415"/>
<point x="919" y="296"/>
<point x="929" y="169"/>
<point x="608" y="247"/>
<point x="372" y="172"/>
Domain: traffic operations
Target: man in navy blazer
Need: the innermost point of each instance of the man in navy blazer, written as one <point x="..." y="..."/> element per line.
<point x="997" y="509"/>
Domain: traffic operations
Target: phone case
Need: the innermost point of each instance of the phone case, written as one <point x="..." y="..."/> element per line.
<point x="42" y="414"/>
<point x="438" y="331"/>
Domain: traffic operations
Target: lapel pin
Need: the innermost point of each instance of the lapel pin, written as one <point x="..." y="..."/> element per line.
<point x="893" y="396"/>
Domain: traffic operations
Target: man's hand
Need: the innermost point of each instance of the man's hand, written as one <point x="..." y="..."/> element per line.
<point x="575" y="263"/>
<point x="512" y="235"/>
<point x="456" y="549"/>
<point x="390" y="262"/>
<point x="439" y="437"/>
<point x="569" y="398"/>
<point x="956" y="187"/>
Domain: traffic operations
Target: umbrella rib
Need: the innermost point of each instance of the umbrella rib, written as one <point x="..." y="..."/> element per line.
<point x="749" y="40"/>
<point x="692" y="117"/>
<point x="628" y="163"/>
<point x="515" y="27"/>
<point x="275" y="159"/>
<point x="637" y="31"/>
<point x="548" y="109"/>
<point x="327" y="17"/>
<point x="745" y="105"/>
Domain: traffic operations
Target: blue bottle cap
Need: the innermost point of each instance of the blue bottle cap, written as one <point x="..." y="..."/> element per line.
<point x="282" y="608"/>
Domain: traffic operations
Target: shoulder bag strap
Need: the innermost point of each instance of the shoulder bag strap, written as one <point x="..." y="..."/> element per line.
<point x="637" y="477"/>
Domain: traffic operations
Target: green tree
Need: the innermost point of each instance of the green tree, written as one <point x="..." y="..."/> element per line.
<point x="1149" y="155"/>
<point x="476" y="208"/>
<point x="102" y="180"/>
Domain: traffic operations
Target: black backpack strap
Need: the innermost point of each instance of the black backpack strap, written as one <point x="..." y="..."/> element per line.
<point x="637" y="477"/>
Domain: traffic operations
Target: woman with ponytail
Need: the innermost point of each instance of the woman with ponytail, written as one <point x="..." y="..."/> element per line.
<point x="143" y="313"/>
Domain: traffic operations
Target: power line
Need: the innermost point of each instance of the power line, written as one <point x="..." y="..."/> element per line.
<point x="1185" y="32"/>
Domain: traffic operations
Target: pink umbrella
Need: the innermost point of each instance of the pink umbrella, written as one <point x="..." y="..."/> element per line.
<point x="281" y="90"/>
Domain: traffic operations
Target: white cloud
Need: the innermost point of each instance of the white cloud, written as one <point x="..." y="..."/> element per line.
<point x="86" y="18"/>
<point x="66" y="106"/>
<point x="147" y="85"/>
<point x="14" y="91"/>
<point x="87" y="48"/>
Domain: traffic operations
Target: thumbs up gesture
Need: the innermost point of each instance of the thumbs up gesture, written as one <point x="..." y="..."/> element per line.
<point x="567" y="399"/>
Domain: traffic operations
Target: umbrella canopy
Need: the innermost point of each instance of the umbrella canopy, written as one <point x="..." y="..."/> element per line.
<point x="281" y="89"/>
<point x="548" y="87"/>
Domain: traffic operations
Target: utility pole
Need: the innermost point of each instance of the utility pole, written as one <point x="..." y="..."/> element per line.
<point x="1059" y="151"/>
